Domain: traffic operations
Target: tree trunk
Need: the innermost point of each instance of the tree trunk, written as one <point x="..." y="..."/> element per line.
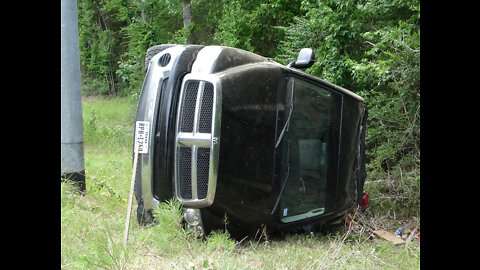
<point x="187" y="17"/>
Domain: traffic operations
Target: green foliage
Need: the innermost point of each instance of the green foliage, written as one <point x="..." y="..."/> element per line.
<point x="220" y="240"/>
<point x="254" y="25"/>
<point x="372" y="48"/>
<point x="113" y="37"/>
<point x="149" y="23"/>
<point x="206" y="15"/>
<point x="100" y="44"/>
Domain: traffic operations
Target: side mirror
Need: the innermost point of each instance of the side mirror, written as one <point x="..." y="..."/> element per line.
<point x="305" y="59"/>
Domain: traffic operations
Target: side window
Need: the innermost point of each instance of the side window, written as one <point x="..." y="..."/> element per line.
<point x="309" y="151"/>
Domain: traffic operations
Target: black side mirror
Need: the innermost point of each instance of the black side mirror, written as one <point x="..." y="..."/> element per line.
<point x="305" y="59"/>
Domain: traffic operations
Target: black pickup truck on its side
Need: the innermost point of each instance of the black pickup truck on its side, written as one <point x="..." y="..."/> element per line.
<point x="233" y="134"/>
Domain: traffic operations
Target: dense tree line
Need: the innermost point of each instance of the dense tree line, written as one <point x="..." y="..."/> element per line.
<point x="371" y="47"/>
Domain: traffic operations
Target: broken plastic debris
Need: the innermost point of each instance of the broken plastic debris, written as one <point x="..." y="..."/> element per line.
<point x="399" y="232"/>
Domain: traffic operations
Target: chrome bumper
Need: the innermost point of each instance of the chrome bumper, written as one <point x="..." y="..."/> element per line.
<point x="149" y="101"/>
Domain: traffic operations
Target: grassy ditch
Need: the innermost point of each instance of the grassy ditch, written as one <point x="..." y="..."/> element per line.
<point x="92" y="225"/>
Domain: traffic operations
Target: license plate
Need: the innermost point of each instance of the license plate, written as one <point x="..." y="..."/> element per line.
<point x="142" y="131"/>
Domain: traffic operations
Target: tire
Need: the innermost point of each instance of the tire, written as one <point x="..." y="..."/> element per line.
<point x="152" y="51"/>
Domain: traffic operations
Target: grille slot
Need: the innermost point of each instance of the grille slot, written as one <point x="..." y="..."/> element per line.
<point x="185" y="172"/>
<point x="188" y="107"/>
<point x="205" y="123"/>
<point x="164" y="59"/>
<point x="203" y="163"/>
<point x="159" y="168"/>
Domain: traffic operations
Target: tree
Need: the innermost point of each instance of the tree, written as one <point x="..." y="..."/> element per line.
<point x="101" y="42"/>
<point x="187" y="18"/>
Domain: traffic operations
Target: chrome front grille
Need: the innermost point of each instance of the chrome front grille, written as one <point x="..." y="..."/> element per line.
<point x="197" y="136"/>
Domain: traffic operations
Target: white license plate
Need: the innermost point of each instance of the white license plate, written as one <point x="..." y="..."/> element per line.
<point x="142" y="131"/>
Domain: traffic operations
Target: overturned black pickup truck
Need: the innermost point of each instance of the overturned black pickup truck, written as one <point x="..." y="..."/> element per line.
<point x="237" y="136"/>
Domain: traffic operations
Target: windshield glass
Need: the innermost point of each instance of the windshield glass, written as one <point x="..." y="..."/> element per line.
<point x="307" y="147"/>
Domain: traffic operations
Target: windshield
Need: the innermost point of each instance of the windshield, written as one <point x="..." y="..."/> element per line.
<point x="307" y="146"/>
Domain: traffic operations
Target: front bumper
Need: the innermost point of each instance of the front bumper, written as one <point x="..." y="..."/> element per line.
<point x="147" y="111"/>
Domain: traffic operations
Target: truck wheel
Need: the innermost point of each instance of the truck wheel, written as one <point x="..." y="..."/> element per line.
<point x="152" y="51"/>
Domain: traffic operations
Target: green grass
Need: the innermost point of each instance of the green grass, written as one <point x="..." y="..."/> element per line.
<point x="92" y="225"/>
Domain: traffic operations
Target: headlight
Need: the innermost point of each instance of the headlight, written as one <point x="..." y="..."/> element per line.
<point x="192" y="216"/>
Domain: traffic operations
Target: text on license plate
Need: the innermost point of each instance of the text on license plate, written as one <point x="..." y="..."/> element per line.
<point x="142" y="130"/>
